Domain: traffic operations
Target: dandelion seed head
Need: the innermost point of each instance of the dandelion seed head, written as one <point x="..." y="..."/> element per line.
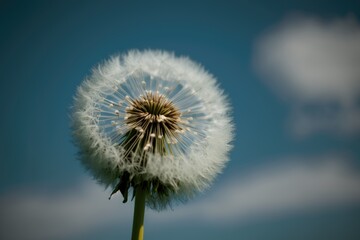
<point x="165" y="123"/>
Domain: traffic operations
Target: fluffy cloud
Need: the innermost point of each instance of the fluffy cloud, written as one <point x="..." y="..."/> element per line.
<point x="32" y="214"/>
<point x="265" y="192"/>
<point x="316" y="65"/>
<point x="279" y="190"/>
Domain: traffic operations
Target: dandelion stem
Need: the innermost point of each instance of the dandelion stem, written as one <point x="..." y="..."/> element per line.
<point x="139" y="211"/>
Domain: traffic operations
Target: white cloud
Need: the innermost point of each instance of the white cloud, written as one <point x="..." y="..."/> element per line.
<point x="316" y="65"/>
<point x="265" y="192"/>
<point x="279" y="190"/>
<point x="30" y="214"/>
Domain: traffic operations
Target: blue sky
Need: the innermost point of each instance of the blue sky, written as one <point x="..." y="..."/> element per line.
<point x="290" y="70"/>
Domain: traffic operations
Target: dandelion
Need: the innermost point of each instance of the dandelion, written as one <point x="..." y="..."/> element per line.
<point x="152" y="123"/>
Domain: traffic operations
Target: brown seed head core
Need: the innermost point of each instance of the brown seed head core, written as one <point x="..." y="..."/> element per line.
<point x="153" y="123"/>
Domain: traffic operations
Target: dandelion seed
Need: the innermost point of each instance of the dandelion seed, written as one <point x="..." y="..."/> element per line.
<point x="164" y="156"/>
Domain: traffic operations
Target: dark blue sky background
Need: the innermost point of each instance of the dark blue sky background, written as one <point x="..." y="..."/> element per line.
<point x="48" y="47"/>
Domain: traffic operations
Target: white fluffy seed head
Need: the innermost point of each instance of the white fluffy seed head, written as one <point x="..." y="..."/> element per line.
<point x="165" y="123"/>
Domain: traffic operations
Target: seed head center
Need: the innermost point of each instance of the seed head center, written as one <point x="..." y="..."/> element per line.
<point x="155" y="118"/>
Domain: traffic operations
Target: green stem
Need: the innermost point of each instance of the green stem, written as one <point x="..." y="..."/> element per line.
<point x="139" y="211"/>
